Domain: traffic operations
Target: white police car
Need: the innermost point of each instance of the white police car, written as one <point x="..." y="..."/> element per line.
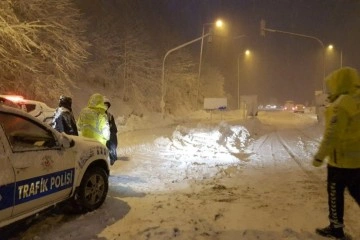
<point x="40" y="167"/>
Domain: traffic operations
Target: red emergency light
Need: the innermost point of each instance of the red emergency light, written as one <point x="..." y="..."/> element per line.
<point x="14" y="98"/>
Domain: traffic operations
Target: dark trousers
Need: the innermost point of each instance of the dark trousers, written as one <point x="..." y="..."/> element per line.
<point x="338" y="179"/>
<point x="111" y="144"/>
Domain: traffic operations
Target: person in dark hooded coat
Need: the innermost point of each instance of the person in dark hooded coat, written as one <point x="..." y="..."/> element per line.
<point x="112" y="142"/>
<point x="64" y="120"/>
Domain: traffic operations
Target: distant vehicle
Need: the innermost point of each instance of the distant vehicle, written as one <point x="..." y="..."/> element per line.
<point x="35" y="108"/>
<point x="41" y="167"/>
<point x="289" y="106"/>
<point x="269" y="107"/>
<point x="299" y="108"/>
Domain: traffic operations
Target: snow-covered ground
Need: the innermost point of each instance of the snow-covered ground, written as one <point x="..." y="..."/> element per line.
<point x="209" y="176"/>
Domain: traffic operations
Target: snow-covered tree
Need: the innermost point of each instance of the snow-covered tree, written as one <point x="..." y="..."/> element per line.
<point x="106" y="53"/>
<point x="128" y="46"/>
<point x="211" y="83"/>
<point x="181" y="83"/>
<point x="141" y="67"/>
<point x="41" y="46"/>
<point x="122" y="56"/>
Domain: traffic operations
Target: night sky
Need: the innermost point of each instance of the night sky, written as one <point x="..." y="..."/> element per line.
<point x="282" y="66"/>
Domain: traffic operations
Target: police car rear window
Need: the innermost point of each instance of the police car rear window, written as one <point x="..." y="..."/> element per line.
<point x="30" y="107"/>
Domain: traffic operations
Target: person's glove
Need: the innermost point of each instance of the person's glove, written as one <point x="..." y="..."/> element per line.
<point x="317" y="162"/>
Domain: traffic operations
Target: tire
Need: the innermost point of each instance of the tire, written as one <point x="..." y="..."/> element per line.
<point x="92" y="191"/>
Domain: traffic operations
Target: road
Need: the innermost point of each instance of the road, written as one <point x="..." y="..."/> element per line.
<point x="226" y="179"/>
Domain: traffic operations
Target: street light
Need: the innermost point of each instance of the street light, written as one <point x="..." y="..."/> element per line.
<point x="219" y="24"/>
<point x="331" y="47"/>
<point x="247" y="54"/>
<point x="341" y="59"/>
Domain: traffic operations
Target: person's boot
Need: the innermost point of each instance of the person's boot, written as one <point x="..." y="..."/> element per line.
<point x="332" y="232"/>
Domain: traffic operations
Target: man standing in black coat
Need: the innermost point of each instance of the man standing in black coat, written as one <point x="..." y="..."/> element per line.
<point x="112" y="142"/>
<point x="64" y="120"/>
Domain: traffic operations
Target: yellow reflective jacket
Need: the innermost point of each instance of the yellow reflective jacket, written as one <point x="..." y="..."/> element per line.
<point x="341" y="140"/>
<point x="92" y="121"/>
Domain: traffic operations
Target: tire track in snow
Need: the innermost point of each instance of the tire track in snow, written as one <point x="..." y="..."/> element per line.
<point x="297" y="158"/>
<point x="270" y="147"/>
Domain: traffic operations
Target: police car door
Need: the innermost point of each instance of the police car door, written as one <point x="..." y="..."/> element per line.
<point x="44" y="173"/>
<point x="7" y="179"/>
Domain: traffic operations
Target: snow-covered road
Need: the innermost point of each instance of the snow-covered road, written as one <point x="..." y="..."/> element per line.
<point x="226" y="179"/>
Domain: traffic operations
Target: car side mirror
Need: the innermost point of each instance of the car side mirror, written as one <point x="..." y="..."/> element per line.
<point x="66" y="142"/>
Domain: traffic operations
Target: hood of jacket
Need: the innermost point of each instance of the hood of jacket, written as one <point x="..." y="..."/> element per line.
<point x="97" y="101"/>
<point x="342" y="81"/>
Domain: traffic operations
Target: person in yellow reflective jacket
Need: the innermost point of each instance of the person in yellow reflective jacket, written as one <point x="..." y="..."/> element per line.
<point x="92" y="121"/>
<point x="340" y="146"/>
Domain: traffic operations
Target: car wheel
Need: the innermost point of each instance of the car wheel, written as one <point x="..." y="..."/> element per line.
<point x="93" y="190"/>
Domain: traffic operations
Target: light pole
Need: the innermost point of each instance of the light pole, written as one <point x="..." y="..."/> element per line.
<point x="163" y="86"/>
<point x="219" y="24"/>
<point x="331" y="47"/>
<point x="341" y="59"/>
<point x="247" y="53"/>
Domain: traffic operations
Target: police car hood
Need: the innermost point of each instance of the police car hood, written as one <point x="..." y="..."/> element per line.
<point x="89" y="149"/>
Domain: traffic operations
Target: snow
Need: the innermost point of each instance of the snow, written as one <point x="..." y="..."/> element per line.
<point x="209" y="177"/>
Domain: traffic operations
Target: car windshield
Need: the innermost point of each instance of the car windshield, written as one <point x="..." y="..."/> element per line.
<point x="25" y="135"/>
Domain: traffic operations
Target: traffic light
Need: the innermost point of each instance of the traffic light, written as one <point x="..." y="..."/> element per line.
<point x="262" y="27"/>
